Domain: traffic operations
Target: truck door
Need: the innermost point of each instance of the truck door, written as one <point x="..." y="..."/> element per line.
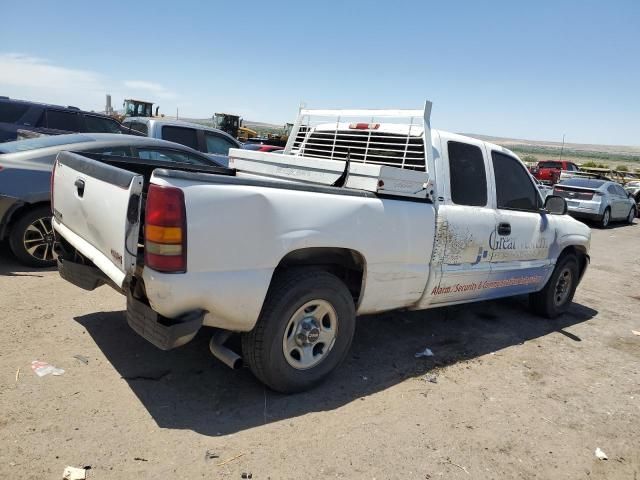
<point x="465" y="221"/>
<point x="519" y="247"/>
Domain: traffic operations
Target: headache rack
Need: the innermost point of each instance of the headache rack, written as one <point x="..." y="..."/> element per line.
<point x="384" y="151"/>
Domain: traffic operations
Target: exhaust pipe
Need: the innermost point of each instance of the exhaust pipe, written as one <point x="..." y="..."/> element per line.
<point x="222" y="353"/>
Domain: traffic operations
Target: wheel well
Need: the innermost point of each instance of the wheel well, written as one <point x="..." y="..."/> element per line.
<point x="15" y="215"/>
<point x="581" y="254"/>
<point x="346" y="264"/>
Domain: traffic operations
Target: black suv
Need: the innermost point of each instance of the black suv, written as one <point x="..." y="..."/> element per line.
<point x="19" y="117"/>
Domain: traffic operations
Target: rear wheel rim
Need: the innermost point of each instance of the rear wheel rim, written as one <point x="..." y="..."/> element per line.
<point x="632" y="215"/>
<point x="563" y="287"/>
<point x="605" y="218"/>
<point x="310" y="334"/>
<point x="38" y="239"/>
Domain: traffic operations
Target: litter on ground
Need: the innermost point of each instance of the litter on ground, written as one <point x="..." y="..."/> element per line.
<point x="43" y="368"/>
<point x="74" y="473"/>
<point x="82" y="358"/>
<point x="601" y="455"/>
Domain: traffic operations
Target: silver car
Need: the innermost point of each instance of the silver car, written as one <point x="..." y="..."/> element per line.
<point x="600" y="200"/>
<point x="212" y="142"/>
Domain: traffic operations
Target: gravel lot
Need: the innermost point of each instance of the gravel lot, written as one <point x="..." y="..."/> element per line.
<point x="507" y="395"/>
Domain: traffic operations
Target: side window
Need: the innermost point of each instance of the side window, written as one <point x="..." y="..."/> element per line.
<point x="612" y="190"/>
<point x="101" y="125"/>
<point x="572" y="167"/>
<point x="467" y="175"/>
<point x="181" y="135"/>
<point x="12" y="112"/>
<point x="174" y="156"/>
<point x="621" y="191"/>
<point x="514" y="188"/>
<point x="113" y="151"/>
<point x="138" y="127"/>
<point x="217" y="144"/>
<point x="61" y="120"/>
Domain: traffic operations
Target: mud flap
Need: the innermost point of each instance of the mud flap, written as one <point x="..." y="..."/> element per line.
<point x="164" y="333"/>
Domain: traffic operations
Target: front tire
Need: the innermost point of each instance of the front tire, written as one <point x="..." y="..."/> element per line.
<point x="31" y="238"/>
<point x="304" y="331"/>
<point x="556" y="296"/>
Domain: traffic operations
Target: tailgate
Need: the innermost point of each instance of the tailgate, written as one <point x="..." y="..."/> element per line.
<point x="96" y="208"/>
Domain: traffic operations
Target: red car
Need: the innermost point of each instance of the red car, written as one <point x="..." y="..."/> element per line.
<point x="548" y="171"/>
<point x="262" y="148"/>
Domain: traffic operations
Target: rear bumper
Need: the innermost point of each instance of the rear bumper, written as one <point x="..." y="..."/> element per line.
<point x="586" y="209"/>
<point x="585" y="214"/>
<point x="163" y="332"/>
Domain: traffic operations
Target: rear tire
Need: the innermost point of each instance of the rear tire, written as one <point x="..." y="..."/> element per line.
<point x="631" y="216"/>
<point x="556" y="296"/>
<point x="606" y="218"/>
<point x="31" y="238"/>
<point x="304" y="331"/>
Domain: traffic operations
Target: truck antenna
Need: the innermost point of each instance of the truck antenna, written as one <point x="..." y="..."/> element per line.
<point x="562" y="148"/>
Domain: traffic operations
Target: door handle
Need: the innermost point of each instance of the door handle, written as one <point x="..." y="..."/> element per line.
<point x="79" y="183"/>
<point x="504" y="228"/>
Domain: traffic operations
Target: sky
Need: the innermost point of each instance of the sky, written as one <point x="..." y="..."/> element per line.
<point x="532" y="70"/>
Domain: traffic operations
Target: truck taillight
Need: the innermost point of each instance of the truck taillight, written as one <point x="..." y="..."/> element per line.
<point x="165" y="230"/>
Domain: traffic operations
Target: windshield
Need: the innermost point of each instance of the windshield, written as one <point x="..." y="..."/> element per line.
<point x="550" y="165"/>
<point x="582" y="182"/>
<point x="42" y="142"/>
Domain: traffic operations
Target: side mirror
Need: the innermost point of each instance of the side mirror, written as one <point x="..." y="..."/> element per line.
<point x="555" y="205"/>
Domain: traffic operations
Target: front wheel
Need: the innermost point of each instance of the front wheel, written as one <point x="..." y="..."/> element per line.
<point x="31" y="238"/>
<point x="304" y="331"/>
<point x="556" y="296"/>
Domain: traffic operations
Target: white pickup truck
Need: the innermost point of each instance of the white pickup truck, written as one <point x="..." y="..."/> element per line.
<point x="365" y="211"/>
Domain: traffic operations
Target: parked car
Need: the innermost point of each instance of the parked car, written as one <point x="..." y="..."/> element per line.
<point x="549" y="171"/>
<point x="211" y="141"/>
<point x="260" y="147"/>
<point x="352" y="219"/>
<point x="544" y="190"/>
<point x="602" y="201"/>
<point x="18" y="116"/>
<point x="25" y="181"/>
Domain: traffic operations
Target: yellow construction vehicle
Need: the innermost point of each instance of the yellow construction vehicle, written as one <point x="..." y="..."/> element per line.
<point x="232" y="124"/>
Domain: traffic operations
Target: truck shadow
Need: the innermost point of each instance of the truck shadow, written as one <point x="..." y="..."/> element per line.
<point x="189" y="389"/>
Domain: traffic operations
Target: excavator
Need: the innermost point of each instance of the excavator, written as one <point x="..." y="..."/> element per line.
<point x="232" y="124"/>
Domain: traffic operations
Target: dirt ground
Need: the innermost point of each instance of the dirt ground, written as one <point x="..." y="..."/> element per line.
<point x="506" y="395"/>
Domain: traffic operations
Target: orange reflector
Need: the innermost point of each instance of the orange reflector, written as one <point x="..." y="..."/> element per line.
<point x="158" y="234"/>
